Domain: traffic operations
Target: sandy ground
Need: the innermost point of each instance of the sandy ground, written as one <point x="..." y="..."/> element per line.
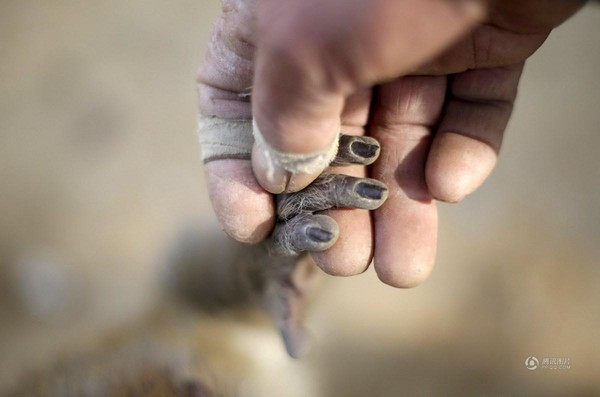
<point x="99" y="176"/>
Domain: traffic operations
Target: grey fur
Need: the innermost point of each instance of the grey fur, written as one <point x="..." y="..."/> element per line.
<point x="329" y="191"/>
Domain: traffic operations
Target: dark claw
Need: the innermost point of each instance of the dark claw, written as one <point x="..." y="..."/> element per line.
<point x="370" y="191"/>
<point x="362" y="150"/>
<point x="304" y="232"/>
<point x="319" y="235"/>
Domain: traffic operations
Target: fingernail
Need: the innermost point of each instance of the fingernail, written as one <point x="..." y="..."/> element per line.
<point x="364" y="150"/>
<point x="372" y="192"/>
<point x="272" y="178"/>
<point x="319" y="235"/>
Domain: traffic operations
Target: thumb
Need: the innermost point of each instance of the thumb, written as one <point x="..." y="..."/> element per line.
<point x="294" y="143"/>
<point x="295" y="102"/>
<point x="295" y="135"/>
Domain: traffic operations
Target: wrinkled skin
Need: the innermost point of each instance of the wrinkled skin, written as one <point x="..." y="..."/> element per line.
<point x="312" y="65"/>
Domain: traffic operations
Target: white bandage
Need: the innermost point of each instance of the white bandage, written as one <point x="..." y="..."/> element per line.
<point x="233" y="139"/>
<point x="225" y="138"/>
<point x="307" y="163"/>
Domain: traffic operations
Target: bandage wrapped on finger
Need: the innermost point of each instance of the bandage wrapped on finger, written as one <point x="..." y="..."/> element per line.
<point x="225" y="138"/>
<point x="233" y="139"/>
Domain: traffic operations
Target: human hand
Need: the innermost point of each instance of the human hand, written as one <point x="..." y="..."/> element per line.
<point x="316" y="67"/>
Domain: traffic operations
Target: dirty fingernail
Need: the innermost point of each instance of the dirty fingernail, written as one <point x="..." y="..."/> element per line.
<point x="364" y="150"/>
<point x="319" y="235"/>
<point x="369" y="191"/>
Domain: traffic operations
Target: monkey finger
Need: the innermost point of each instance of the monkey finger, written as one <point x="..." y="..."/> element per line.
<point x="304" y="232"/>
<point x="352" y="149"/>
<point x="333" y="190"/>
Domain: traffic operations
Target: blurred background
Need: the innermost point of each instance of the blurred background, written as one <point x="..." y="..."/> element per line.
<point x="100" y="178"/>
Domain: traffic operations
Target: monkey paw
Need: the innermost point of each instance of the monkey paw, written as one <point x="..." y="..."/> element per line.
<point x="300" y="228"/>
